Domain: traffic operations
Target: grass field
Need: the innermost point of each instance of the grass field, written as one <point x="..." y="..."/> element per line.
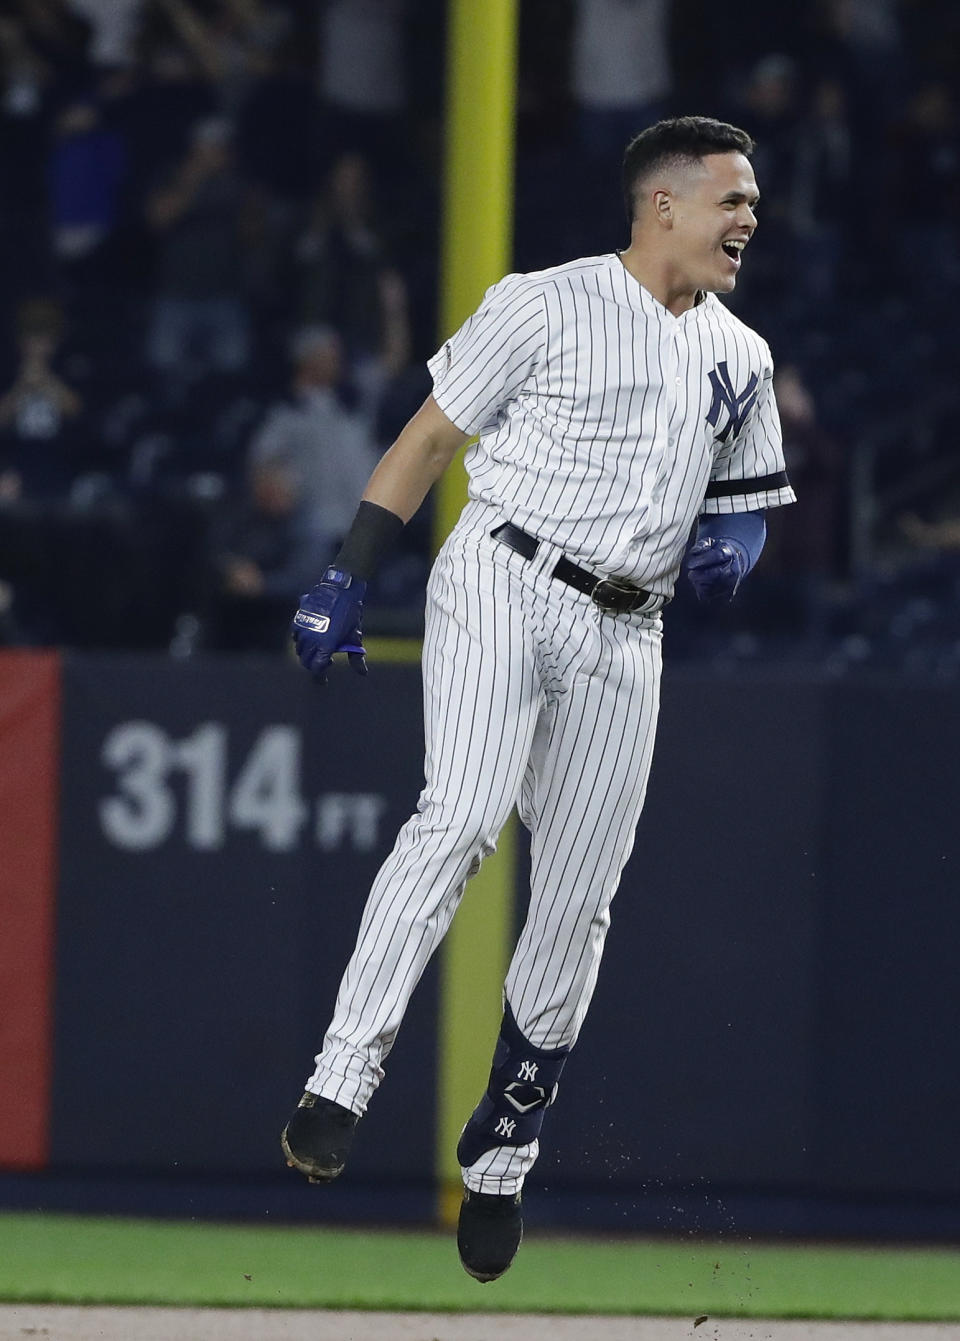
<point x="73" y="1259"/>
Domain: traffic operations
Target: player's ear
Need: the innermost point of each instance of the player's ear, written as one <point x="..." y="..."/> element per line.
<point x="662" y="201"/>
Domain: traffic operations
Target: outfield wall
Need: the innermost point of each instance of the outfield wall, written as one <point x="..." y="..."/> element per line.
<point x="185" y="852"/>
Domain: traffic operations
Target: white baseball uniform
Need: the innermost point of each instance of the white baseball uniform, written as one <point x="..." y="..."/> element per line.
<point x="606" y="425"/>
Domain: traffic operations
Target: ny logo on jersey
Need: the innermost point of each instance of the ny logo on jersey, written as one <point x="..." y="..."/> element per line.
<point x="505" y="1127"/>
<point x="528" y="1071"/>
<point x="725" y="398"/>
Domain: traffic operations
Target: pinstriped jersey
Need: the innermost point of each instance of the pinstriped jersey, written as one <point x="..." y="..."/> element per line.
<point x="605" y="423"/>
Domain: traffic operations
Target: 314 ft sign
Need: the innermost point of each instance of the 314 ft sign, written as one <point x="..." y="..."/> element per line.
<point x="160" y="781"/>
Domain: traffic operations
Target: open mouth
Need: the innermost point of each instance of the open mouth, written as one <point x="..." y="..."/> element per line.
<point x="732" y="248"/>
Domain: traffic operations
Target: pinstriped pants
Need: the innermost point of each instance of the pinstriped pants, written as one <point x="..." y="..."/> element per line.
<point x="532" y="697"/>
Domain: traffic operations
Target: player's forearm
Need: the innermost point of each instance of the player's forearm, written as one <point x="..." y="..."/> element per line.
<point x="397" y="487"/>
<point x="420" y="455"/>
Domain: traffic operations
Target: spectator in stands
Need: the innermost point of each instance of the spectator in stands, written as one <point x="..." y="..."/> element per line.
<point x="863" y="44"/>
<point x="230" y="43"/>
<point x="330" y="445"/>
<point x="87" y="166"/>
<point x="342" y="275"/>
<point x="622" y="76"/>
<point x="65" y="541"/>
<point x="327" y="429"/>
<point x="59" y="37"/>
<point x="163" y="98"/>
<point x="113" y="30"/>
<point x="38" y="414"/>
<point x="361" y="76"/>
<point x="266" y="548"/>
<point x="281" y="143"/>
<point x="621" y="80"/>
<point x="200" y="319"/>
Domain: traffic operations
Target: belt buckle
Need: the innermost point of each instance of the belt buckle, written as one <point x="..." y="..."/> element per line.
<point x="617" y="598"/>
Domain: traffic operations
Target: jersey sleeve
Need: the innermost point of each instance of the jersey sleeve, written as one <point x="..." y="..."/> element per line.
<point x="749" y="472"/>
<point x="483" y="366"/>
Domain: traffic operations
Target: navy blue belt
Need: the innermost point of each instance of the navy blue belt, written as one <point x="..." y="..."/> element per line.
<point x="616" y="598"/>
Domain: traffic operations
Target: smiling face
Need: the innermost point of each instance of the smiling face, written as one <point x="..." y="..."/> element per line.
<point x="705" y="213"/>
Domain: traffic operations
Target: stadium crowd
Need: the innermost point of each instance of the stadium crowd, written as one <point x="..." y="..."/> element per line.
<point x="218" y="255"/>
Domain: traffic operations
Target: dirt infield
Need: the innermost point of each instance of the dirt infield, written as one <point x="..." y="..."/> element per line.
<point x="55" y="1323"/>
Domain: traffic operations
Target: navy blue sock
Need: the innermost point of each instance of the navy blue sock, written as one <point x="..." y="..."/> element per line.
<point x="522" y="1085"/>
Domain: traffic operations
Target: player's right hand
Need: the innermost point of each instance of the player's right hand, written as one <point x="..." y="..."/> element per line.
<point x="328" y="621"/>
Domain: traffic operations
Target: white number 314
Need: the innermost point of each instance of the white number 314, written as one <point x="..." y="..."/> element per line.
<point x="265" y="797"/>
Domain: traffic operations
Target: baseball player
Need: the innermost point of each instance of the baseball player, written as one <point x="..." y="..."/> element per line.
<point x="625" y="429"/>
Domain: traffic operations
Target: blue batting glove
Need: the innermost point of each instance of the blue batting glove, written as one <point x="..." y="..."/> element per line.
<point x="328" y="621"/>
<point x="715" y="568"/>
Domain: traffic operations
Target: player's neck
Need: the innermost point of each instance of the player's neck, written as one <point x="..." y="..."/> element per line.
<point x="659" y="279"/>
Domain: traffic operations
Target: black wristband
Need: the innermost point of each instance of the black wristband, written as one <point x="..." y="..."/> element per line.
<point x="372" y="533"/>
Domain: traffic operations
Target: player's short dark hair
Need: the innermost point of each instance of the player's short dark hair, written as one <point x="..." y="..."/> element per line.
<point x="681" y="139"/>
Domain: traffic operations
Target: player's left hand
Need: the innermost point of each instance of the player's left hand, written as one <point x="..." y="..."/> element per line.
<point x="715" y="568"/>
<point x="328" y="621"/>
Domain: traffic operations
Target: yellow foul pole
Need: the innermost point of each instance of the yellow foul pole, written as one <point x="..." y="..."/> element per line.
<point x="476" y="251"/>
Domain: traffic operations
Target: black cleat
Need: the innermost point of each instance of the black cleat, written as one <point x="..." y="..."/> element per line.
<point x="489" y="1233"/>
<point x="318" y="1137"/>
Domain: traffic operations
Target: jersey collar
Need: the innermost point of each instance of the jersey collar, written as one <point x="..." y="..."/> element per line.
<point x="640" y="297"/>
